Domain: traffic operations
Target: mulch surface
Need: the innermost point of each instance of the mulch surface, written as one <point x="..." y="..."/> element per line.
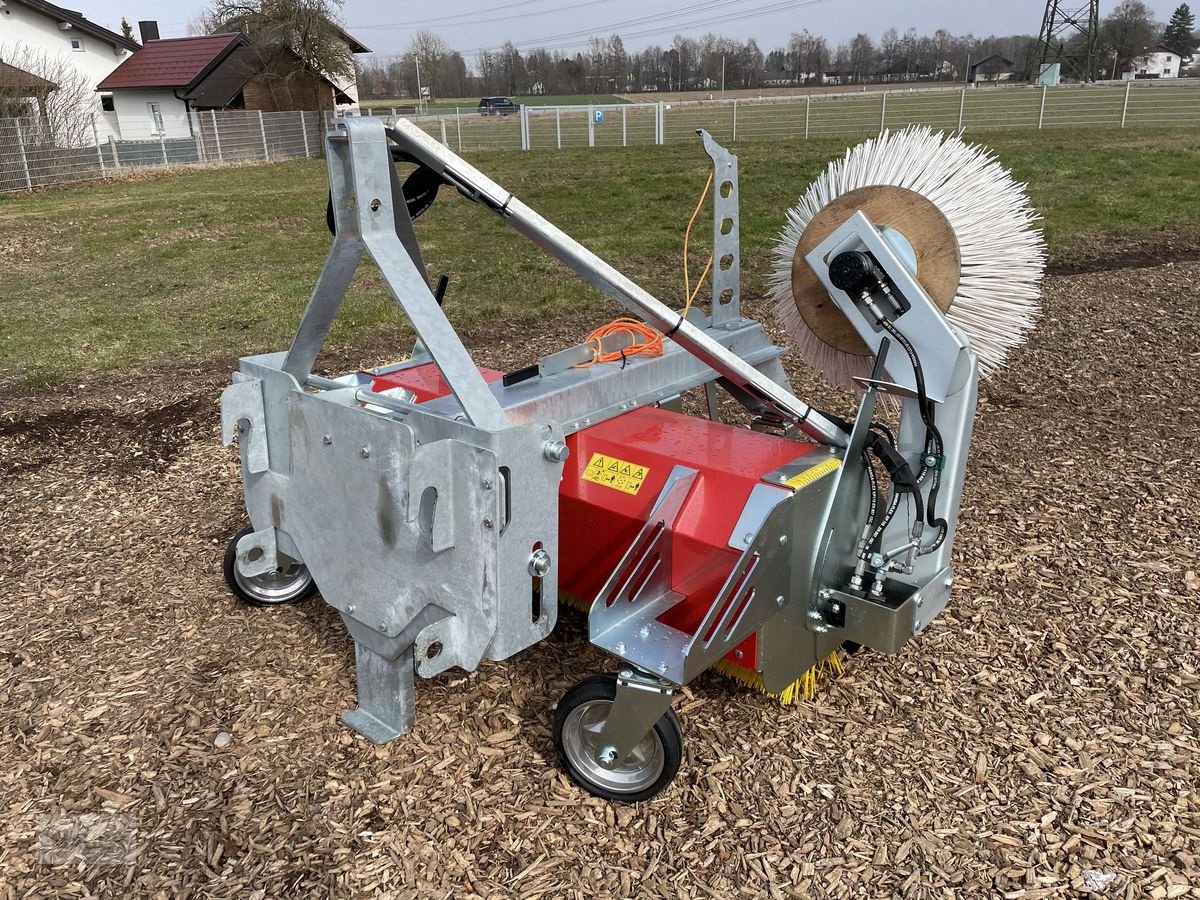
<point x="1039" y="740"/>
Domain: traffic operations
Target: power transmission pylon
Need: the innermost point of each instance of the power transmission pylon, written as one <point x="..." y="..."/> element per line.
<point x="1070" y="32"/>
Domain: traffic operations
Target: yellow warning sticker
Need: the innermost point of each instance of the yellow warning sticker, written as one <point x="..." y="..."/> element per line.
<point x="808" y="476"/>
<point x="615" y="473"/>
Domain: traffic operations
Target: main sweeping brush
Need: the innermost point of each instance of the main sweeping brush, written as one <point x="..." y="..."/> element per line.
<point x="979" y="253"/>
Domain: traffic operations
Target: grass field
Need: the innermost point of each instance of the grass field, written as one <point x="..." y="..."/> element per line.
<point x="449" y="104"/>
<point x="220" y="262"/>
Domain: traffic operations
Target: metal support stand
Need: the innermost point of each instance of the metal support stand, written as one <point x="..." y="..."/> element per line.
<point x="385" y="695"/>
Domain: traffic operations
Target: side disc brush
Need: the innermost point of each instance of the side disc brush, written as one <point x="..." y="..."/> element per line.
<point x="978" y="253"/>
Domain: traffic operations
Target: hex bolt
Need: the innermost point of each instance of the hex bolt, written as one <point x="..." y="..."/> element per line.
<point x="738" y="654"/>
<point x="779" y="601"/>
<point x="383" y="626"/>
<point x="487" y="522"/>
<point x="556" y="451"/>
<point x="327" y="440"/>
<point x="350" y="608"/>
<point x="625" y="673"/>
<point x="364" y="452"/>
<point x="949" y="582"/>
<point x="644" y="631"/>
<point x="662" y="668"/>
<point x="487" y="484"/>
<point x="783" y="539"/>
<point x="607" y="757"/>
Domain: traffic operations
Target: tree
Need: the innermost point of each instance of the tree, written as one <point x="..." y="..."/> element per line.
<point x="861" y="57"/>
<point x="58" y="98"/>
<point x="297" y="42"/>
<point x="126" y="29"/>
<point x="1127" y="33"/>
<point x="1179" y="34"/>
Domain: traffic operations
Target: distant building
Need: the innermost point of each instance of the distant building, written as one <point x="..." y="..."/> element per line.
<point x="65" y="36"/>
<point x="156" y="89"/>
<point x="1161" y="62"/>
<point x="992" y="68"/>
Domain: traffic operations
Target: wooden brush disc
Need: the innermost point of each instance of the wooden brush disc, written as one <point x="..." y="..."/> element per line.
<point x="909" y="213"/>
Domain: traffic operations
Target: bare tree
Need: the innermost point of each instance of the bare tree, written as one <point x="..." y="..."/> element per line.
<point x="52" y="93"/>
<point x="1127" y="33"/>
<point x="297" y="41"/>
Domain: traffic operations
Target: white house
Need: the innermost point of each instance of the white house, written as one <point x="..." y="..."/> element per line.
<point x="67" y="36"/>
<point x="1161" y="62"/>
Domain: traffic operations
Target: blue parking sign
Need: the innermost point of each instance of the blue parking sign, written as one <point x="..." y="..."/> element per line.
<point x="598" y="116"/>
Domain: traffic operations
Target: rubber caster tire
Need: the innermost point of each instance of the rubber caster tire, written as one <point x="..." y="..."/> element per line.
<point x="652" y="765"/>
<point x="274" y="589"/>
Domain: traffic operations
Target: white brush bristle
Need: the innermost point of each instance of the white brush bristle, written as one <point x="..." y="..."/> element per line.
<point x="1001" y="250"/>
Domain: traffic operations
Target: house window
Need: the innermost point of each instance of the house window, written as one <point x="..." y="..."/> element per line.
<point x="106" y="103"/>
<point x="156" y="120"/>
<point x="76" y="44"/>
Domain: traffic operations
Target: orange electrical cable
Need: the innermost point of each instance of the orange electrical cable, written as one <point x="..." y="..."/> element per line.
<point x="646" y="342"/>
<point x="688" y="294"/>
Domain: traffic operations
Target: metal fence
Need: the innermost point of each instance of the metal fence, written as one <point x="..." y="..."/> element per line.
<point x="30" y="157"/>
<point x="855" y="115"/>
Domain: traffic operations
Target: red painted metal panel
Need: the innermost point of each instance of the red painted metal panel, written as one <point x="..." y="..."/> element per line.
<point x="597" y="523"/>
<point x="424" y="380"/>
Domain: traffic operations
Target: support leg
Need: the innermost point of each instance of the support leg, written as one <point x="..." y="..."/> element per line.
<point x="385" y="695"/>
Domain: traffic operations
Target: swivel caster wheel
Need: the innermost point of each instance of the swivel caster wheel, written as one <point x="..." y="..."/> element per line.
<point x="651" y="766"/>
<point x="290" y="585"/>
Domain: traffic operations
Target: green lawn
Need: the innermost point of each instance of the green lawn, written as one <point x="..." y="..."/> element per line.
<point x="449" y="104"/>
<point x="220" y="262"/>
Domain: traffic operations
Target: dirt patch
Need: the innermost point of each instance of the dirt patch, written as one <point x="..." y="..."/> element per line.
<point x="1142" y="251"/>
<point x="1045" y="726"/>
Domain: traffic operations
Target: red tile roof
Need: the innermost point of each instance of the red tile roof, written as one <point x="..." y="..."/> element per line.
<point x="173" y="63"/>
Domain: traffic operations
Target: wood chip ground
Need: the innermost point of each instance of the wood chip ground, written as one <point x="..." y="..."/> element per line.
<point x="1039" y="738"/>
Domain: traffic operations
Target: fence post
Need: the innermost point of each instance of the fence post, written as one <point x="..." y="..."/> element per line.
<point x="442" y="122"/>
<point x="807" y="112"/>
<point x="962" y="102"/>
<point x="263" y="130"/>
<point x="112" y="145"/>
<point x="99" y="152"/>
<point x="1042" y="111"/>
<point x="662" y="122"/>
<point x="1125" y="106"/>
<point x="304" y="131"/>
<point x="591" y="126"/>
<point x="458" y="125"/>
<point x="24" y="158"/>
<point x="624" y="129"/>
<point x="162" y="144"/>
<point x="558" y="125"/>
<point x="217" y="136"/>
<point x="883" y="112"/>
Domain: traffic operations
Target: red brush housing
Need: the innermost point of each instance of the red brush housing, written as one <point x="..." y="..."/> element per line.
<point x="601" y="514"/>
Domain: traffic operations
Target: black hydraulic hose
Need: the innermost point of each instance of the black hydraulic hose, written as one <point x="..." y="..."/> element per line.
<point x="933" y="437"/>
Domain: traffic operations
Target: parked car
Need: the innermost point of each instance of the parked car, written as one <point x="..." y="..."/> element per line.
<point x="498" y="106"/>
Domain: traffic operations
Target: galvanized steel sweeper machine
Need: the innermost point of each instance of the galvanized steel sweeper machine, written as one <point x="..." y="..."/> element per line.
<point x="441" y="507"/>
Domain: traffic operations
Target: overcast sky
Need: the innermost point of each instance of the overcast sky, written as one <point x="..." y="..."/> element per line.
<point x="566" y="24"/>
